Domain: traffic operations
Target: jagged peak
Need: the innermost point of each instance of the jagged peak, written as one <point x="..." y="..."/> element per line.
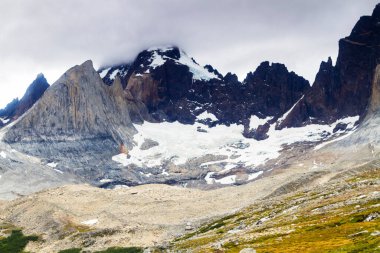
<point x="40" y="80"/>
<point x="87" y="64"/>
<point x="325" y="65"/>
<point x="231" y="78"/>
<point x="376" y="12"/>
<point x="155" y="57"/>
<point x="329" y="61"/>
<point x="85" y="67"/>
<point x="266" y="67"/>
<point x="40" y="76"/>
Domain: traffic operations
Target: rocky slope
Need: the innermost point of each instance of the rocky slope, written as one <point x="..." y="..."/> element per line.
<point x="22" y="174"/>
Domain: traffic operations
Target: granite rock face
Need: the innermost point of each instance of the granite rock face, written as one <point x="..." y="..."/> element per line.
<point x="344" y="89"/>
<point x="79" y="124"/>
<point x="80" y="106"/>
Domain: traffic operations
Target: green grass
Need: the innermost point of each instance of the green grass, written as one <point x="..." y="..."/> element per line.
<point x="337" y="228"/>
<point x="16" y="242"/>
<point x="122" y="250"/>
<point x="109" y="250"/>
<point x="74" y="250"/>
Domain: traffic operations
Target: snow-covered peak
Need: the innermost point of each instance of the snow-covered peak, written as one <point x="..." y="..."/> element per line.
<point x="160" y="55"/>
<point x="161" y="48"/>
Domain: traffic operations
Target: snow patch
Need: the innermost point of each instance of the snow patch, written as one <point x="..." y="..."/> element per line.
<point x="225" y="180"/>
<point x="350" y="121"/>
<point x="3" y="154"/>
<point x="206" y="115"/>
<point x="105" y="180"/>
<point x="146" y="174"/>
<point x="161" y="48"/>
<point x="254" y="175"/>
<point x="52" y="164"/>
<point x="5" y="121"/>
<point x="90" y="222"/>
<point x="280" y="120"/>
<point x="122" y="159"/>
<point x="199" y="72"/>
<point x="157" y="60"/>
<point x="114" y="73"/>
<point x="59" y="171"/>
<point x="104" y="72"/>
<point x="120" y="186"/>
<point x="180" y="142"/>
<point x="255" y="121"/>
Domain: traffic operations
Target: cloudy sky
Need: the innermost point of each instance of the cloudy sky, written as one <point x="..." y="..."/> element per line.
<point x="232" y="35"/>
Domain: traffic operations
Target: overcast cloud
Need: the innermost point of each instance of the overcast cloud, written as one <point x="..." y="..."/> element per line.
<point x="232" y="35"/>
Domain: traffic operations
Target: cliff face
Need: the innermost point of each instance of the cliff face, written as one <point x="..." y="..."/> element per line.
<point x="272" y="89"/>
<point x="78" y="105"/>
<point x="344" y="89"/>
<point x="374" y="103"/>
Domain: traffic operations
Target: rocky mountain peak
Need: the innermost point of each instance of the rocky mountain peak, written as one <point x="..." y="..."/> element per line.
<point x="343" y="90"/>
<point x="376" y="12"/>
<point x="78" y="105"/>
<point x="33" y="93"/>
<point x="169" y="58"/>
<point x="274" y="89"/>
<point x="231" y="78"/>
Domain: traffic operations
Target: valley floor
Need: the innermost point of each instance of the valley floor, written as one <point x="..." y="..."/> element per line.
<point x="286" y="209"/>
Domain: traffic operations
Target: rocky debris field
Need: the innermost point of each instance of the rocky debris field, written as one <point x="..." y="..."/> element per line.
<point x="266" y="215"/>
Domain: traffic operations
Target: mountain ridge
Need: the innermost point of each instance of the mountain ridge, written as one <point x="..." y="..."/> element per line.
<point x="122" y="114"/>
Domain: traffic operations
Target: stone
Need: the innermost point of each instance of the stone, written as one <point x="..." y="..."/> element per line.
<point x="148" y="143"/>
<point x="247" y="250"/>
<point x="372" y="217"/>
<point x="189" y="226"/>
<point x="358" y="233"/>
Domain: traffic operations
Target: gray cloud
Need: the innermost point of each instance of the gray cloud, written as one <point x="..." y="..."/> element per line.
<point x="232" y="35"/>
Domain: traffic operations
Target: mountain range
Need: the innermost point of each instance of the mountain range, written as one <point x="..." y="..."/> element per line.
<point x="163" y="118"/>
<point x="168" y="155"/>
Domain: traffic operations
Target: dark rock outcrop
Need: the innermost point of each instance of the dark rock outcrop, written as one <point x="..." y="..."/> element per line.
<point x="344" y="89"/>
<point x="33" y="93"/>
<point x="272" y="89"/>
<point x="10" y="110"/>
<point x="175" y="88"/>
